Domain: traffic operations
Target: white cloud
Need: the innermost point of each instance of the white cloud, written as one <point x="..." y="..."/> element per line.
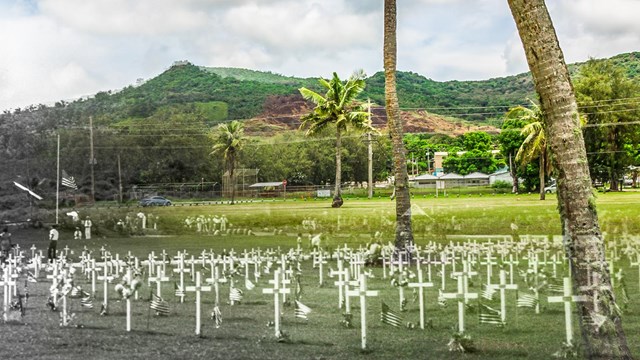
<point x="59" y="49"/>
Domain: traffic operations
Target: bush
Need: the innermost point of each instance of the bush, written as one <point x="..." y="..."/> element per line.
<point x="501" y="184"/>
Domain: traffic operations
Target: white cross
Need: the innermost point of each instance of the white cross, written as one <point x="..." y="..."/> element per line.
<point x="465" y="274"/>
<point x="198" y="288"/>
<point x="181" y="270"/>
<point x="158" y="279"/>
<point x="567" y="299"/>
<point x="6" y="283"/>
<point x="489" y="262"/>
<point x="421" y="286"/>
<point x="340" y="272"/>
<point x="503" y="286"/>
<point x="276" y="291"/>
<point x="637" y="264"/>
<point x="106" y="278"/>
<point x="462" y="296"/>
<point x="363" y="293"/>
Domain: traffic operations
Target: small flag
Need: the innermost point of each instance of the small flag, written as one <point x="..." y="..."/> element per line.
<point x="216" y="315"/>
<point x="103" y="310"/>
<point x="390" y="317"/>
<point x="301" y="310"/>
<point x="235" y="295"/>
<point x="488" y="315"/>
<point x="86" y="301"/>
<point x="527" y="300"/>
<point x="248" y="284"/>
<point x="68" y="181"/>
<point x="488" y="292"/>
<point x="160" y="306"/>
<point x="31" y="278"/>
<point x="179" y="290"/>
<point x="555" y="288"/>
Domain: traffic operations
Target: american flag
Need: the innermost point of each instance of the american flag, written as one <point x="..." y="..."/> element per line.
<point x="488" y="315"/>
<point x="86" y="300"/>
<point x="179" y="290"/>
<point x="235" y="295"/>
<point x="301" y="310"/>
<point x="389" y="316"/>
<point x="248" y="284"/>
<point x="69" y="181"/>
<point x="527" y="300"/>
<point x="160" y="306"/>
<point x="488" y="292"/>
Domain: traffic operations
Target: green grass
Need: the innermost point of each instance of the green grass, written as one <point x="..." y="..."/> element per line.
<point x="245" y="334"/>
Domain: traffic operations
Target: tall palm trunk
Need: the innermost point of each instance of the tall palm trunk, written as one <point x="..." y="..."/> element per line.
<point x="541" y="175"/>
<point x="404" y="233"/>
<point x="232" y="178"/>
<point x="584" y="244"/>
<point x="337" y="192"/>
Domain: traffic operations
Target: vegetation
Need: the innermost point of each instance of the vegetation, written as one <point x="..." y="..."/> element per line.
<point x="336" y="110"/>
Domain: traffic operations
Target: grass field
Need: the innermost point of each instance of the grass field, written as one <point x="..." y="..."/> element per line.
<point x="244" y="333"/>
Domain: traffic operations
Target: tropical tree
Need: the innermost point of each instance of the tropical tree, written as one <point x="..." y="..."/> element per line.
<point x="510" y="139"/>
<point x="337" y="108"/>
<point x="603" y="337"/>
<point x="534" y="145"/>
<point x="613" y="134"/>
<point x="404" y="232"/>
<point x="228" y="141"/>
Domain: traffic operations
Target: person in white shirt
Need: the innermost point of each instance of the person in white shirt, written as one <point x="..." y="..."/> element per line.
<point x="53" y="243"/>
<point x="87" y="228"/>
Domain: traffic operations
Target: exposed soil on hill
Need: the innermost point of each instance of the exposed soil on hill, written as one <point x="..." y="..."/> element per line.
<point x="283" y="113"/>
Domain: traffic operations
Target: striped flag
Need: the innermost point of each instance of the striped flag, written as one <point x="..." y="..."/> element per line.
<point x="235" y="295"/>
<point x="390" y="317"/>
<point x="179" y="290"/>
<point x="86" y="300"/>
<point x="488" y="315"/>
<point x="301" y="310"/>
<point x="488" y="292"/>
<point x="248" y="284"/>
<point x="216" y="315"/>
<point x="527" y="300"/>
<point x="160" y="306"/>
<point x="68" y="181"/>
<point x="555" y="288"/>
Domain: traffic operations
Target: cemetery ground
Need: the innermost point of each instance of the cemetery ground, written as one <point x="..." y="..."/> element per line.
<point x="245" y="332"/>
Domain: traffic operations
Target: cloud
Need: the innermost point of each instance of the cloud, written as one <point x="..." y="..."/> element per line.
<point x="60" y="49"/>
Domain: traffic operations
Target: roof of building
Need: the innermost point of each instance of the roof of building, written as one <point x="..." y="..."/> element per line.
<point x="476" y="175"/>
<point x="450" y="176"/>
<point x="266" y="184"/>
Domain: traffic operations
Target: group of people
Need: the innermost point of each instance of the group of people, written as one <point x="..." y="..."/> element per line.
<point x="207" y="224"/>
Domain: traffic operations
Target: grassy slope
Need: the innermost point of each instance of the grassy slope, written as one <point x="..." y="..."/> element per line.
<point x="244" y="334"/>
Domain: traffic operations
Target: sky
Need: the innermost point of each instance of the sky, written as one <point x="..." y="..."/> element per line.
<point x="53" y="50"/>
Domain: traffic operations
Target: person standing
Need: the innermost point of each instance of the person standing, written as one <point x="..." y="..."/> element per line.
<point x="87" y="228"/>
<point x="53" y="243"/>
<point x="77" y="234"/>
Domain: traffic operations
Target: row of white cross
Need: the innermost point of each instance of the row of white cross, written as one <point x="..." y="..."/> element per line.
<point x="465" y="253"/>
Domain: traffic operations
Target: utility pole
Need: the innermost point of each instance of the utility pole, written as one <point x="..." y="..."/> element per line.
<point x="428" y="162"/>
<point x="370" y="155"/>
<point x="58" y="180"/>
<point x="91" y="159"/>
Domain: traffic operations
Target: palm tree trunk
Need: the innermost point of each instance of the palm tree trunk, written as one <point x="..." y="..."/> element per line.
<point x="337" y="193"/>
<point x="232" y="178"/>
<point x="404" y="232"/>
<point x="584" y="244"/>
<point x="541" y="175"/>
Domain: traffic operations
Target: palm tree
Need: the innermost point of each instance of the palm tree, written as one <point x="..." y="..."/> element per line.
<point x="584" y="243"/>
<point x="337" y="108"/>
<point x="534" y="145"/>
<point x="228" y="141"/>
<point x="404" y="232"/>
